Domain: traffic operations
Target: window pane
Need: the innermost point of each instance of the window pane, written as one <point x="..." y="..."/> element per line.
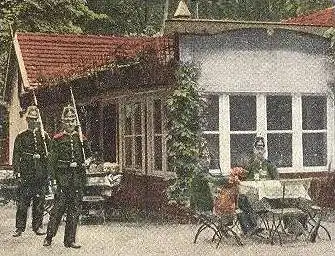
<point x="157" y="117"/>
<point x="110" y="131"/>
<point x="314" y="112"/>
<point x="138" y="151"/>
<point x="279" y="112"/>
<point x="93" y="127"/>
<point x="128" y="151"/>
<point x="315" y="149"/>
<point x="241" y="148"/>
<point x="212" y="113"/>
<point x="213" y="150"/>
<point x="242" y="113"/>
<point x="158" y="153"/>
<point x="137" y="118"/>
<point x="280" y="149"/>
<point x="128" y="114"/>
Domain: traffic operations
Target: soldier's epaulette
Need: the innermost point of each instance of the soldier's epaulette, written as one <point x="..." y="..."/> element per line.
<point x="58" y="135"/>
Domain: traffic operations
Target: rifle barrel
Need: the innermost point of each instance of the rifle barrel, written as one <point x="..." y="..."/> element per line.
<point x="80" y="132"/>
<point x="41" y="124"/>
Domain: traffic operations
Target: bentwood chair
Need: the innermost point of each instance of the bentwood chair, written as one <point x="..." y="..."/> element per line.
<point x="223" y="219"/>
<point x="318" y="211"/>
<point x="285" y="220"/>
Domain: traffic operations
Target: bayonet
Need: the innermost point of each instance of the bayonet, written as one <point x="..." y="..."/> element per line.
<point x="80" y="132"/>
<point x="41" y="125"/>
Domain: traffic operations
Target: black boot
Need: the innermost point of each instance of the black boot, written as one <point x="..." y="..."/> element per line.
<point x="72" y="245"/>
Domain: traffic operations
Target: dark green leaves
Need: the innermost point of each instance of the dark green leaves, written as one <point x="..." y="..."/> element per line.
<point x="185" y="143"/>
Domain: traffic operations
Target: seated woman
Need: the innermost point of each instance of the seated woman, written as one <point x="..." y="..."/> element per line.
<point x="258" y="168"/>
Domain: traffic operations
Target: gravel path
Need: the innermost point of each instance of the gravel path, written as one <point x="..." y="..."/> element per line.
<point x="145" y="239"/>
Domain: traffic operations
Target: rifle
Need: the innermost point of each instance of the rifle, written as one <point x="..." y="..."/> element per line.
<point x="41" y="125"/>
<point x="80" y="132"/>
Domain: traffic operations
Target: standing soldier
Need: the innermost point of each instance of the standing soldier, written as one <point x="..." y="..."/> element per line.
<point x="30" y="170"/>
<point x="68" y="168"/>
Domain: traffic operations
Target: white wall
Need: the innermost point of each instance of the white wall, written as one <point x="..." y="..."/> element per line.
<point x="252" y="61"/>
<point x="16" y="123"/>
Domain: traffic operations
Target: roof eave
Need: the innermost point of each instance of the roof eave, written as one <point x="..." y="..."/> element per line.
<point x="21" y="64"/>
<point x="204" y="26"/>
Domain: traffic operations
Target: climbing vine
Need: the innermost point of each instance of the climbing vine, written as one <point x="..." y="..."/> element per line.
<point x="185" y="108"/>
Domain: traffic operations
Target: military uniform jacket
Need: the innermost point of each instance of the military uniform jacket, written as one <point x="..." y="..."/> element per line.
<point x="255" y="165"/>
<point x="26" y="145"/>
<point x="66" y="149"/>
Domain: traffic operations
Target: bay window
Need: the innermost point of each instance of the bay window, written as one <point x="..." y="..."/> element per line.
<point x="134" y="136"/>
<point x="143" y="135"/>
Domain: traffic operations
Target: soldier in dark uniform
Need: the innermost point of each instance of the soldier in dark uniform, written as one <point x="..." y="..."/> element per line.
<point x="30" y="170"/>
<point x="68" y="168"/>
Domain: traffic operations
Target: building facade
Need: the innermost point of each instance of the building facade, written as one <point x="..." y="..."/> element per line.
<point x="263" y="79"/>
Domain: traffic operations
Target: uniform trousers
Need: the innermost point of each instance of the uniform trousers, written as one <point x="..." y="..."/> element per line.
<point x="67" y="201"/>
<point x="27" y="192"/>
<point x="247" y="219"/>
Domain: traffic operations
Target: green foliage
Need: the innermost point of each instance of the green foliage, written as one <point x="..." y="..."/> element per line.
<point x="261" y="10"/>
<point x="129" y="16"/>
<point x="185" y="109"/>
<point x="330" y="33"/>
<point x="62" y="16"/>
<point x="66" y="16"/>
<point x="200" y="197"/>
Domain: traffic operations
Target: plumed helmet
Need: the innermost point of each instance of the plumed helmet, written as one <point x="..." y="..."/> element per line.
<point x="69" y="114"/>
<point x="32" y="112"/>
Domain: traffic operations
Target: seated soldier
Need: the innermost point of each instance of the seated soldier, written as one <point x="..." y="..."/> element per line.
<point x="257" y="168"/>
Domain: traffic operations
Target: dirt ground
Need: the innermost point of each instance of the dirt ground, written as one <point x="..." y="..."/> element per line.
<point x="121" y="238"/>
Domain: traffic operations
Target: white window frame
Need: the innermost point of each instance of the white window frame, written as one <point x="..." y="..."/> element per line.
<point x="261" y="130"/>
<point x="214" y="132"/>
<point x="146" y="100"/>
<point x="151" y="139"/>
<point x="133" y="168"/>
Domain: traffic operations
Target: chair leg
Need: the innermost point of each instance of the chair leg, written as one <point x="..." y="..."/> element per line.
<point x="275" y="231"/>
<point x="326" y="230"/>
<point x="103" y="216"/>
<point x="220" y="239"/>
<point x="237" y="237"/>
<point x="200" y="229"/>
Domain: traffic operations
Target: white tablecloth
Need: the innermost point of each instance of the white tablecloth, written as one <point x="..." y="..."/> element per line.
<point x="273" y="189"/>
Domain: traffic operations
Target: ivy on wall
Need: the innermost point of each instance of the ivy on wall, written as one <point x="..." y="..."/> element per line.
<point x="185" y="108"/>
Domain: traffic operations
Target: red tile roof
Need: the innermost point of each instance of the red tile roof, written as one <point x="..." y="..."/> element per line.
<point x="53" y="56"/>
<point x="324" y="18"/>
